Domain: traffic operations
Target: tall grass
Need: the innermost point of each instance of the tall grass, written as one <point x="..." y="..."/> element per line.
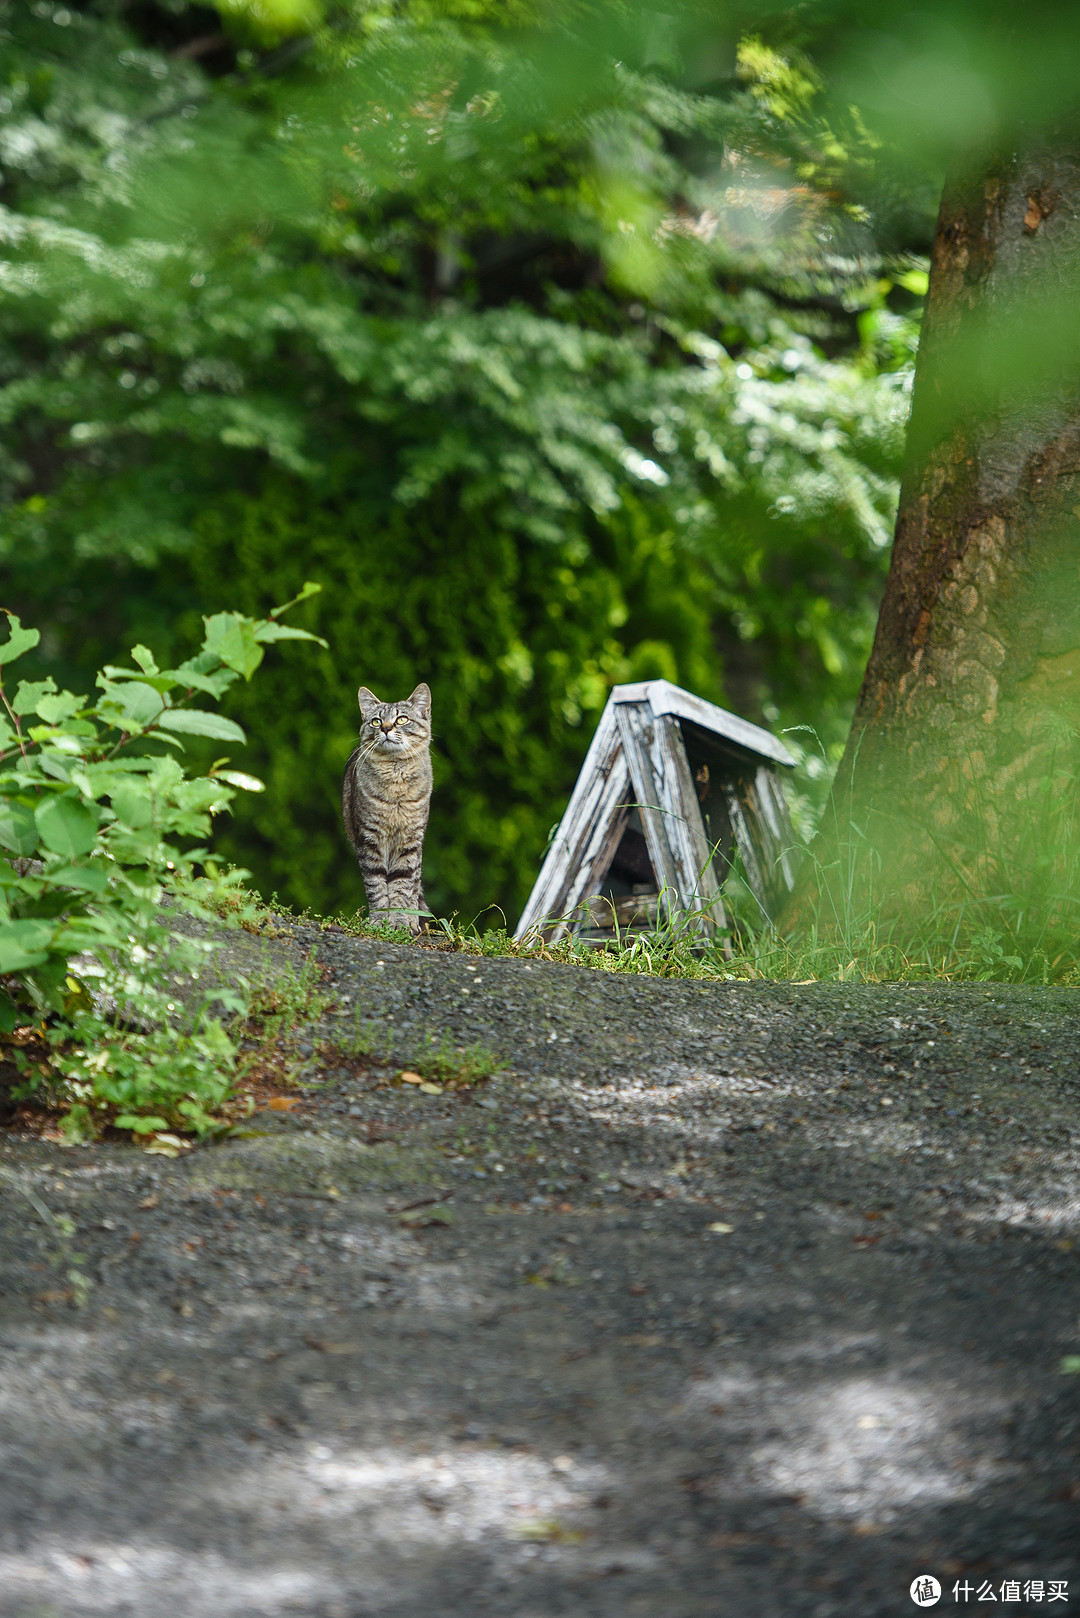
<point x="988" y="940"/>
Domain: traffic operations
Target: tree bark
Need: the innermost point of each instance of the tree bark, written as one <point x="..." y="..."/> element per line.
<point x="956" y="794"/>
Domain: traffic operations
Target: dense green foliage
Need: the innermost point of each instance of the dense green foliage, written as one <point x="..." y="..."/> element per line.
<point x="555" y="365"/>
<point x="97" y="814"/>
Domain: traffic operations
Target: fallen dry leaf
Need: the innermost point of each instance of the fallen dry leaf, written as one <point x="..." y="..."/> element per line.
<point x="163" y="1145"/>
<point x="545" y="1529"/>
<point x="720" y="1228"/>
<point x="149" y="1202"/>
<point x="283" y="1103"/>
<point x="411" y="1078"/>
<point x="642" y="1340"/>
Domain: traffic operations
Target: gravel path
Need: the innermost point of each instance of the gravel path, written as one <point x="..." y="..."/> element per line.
<point x="736" y="1299"/>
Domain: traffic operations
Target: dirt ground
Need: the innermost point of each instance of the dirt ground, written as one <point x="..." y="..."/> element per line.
<point x="721" y="1299"/>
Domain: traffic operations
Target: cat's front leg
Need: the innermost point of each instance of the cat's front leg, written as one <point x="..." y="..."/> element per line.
<point x="376" y="892"/>
<point x="404" y="898"/>
<point x="404" y="910"/>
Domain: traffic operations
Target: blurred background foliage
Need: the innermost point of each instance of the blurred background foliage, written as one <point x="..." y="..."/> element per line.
<point x="563" y="344"/>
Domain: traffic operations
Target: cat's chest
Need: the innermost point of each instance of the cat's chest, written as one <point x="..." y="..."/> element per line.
<point x="393" y="784"/>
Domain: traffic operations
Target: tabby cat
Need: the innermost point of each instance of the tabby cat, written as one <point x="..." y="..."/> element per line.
<point x="384" y="803"/>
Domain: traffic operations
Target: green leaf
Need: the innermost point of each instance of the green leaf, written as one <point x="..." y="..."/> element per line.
<point x="140" y="1126"/>
<point x="55" y="709"/>
<point x="916" y="281"/>
<point x="19" y="640"/>
<point x="66" y="825"/>
<point x="269" y="632"/>
<point x="144" y="657"/>
<point x="58" y="741"/>
<point x="133" y="802"/>
<point x="157" y="682"/>
<point x="237" y="778"/>
<point x="195" y="722"/>
<point x="29" y="693"/>
<point x="231" y="637"/>
<point x="309" y="589"/>
<point x="194" y="675"/>
<point x="23" y="944"/>
<point x="52" y="764"/>
<point x="87" y="878"/>
<point x="1070" y="1365"/>
<point x="18" y="829"/>
<point x="135" y="704"/>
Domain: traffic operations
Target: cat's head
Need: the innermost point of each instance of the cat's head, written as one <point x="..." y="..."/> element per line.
<point x="395" y="727"/>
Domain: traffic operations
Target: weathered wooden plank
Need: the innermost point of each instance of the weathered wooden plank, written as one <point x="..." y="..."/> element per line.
<point x="588" y="835"/>
<point x="778" y="819"/>
<point x="746" y="845"/>
<point x="764" y="837"/>
<point x="635" y="723"/>
<point x="690" y="848"/>
<point x="671" y="816"/>
<point x="665" y="698"/>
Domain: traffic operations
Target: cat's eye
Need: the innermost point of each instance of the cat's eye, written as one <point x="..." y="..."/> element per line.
<point x="401" y="719"/>
<point x="375" y="722"/>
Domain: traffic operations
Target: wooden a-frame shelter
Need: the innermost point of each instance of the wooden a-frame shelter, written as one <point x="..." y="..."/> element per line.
<point x="672" y="788"/>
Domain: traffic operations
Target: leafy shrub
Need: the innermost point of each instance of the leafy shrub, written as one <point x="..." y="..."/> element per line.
<point x="92" y="802"/>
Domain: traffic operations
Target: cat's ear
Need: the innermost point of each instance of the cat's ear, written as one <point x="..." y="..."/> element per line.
<point x="368" y="701"/>
<point x="421" y="698"/>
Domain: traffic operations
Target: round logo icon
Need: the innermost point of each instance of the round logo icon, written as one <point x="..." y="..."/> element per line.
<point x="925" y="1590"/>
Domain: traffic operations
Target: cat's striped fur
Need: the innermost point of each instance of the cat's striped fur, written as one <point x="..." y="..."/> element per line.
<point x="384" y="803"/>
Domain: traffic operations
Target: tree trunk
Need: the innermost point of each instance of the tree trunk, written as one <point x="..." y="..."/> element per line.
<point x="954" y="806"/>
